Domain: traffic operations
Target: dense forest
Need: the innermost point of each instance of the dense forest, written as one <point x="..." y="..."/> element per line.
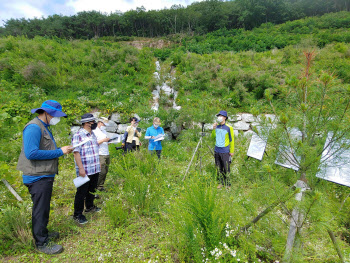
<point x="197" y="18"/>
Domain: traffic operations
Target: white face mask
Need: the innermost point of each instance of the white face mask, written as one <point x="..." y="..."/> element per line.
<point x="220" y="119"/>
<point x="103" y="128"/>
<point x="155" y="126"/>
<point x="55" y="120"/>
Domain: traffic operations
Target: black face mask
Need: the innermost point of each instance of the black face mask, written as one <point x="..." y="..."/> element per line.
<point x="93" y="126"/>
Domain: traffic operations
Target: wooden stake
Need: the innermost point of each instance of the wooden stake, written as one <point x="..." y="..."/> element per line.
<point x="12" y="190"/>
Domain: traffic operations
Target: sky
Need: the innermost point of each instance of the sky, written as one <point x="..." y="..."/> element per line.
<point x="43" y="8"/>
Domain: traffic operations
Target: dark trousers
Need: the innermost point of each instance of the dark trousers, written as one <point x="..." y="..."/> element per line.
<point x="223" y="161"/>
<point x="130" y="147"/>
<point x="86" y="193"/>
<point x="40" y="192"/>
<point x="158" y="152"/>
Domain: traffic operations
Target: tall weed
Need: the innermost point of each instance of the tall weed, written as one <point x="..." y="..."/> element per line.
<point x="15" y="227"/>
<point x="198" y="219"/>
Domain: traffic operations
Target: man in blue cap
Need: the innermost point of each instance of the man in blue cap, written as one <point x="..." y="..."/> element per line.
<point x="224" y="147"/>
<point x="38" y="161"/>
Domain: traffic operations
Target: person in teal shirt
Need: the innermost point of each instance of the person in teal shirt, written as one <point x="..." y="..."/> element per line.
<point x="224" y="147"/>
<point x="151" y="133"/>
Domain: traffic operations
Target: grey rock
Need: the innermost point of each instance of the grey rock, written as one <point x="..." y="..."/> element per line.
<point x="248" y="134"/>
<point x="175" y="129"/>
<point x="156" y="75"/>
<point x="155" y="94"/>
<point x="74" y="130"/>
<point x="247" y="117"/>
<point x="167" y="90"/>
<point x="208" y="127"/>
<point x="157" y="66"/>
<point x="241" y="126"/>
<point x="122" y="128"/>
<point x="236" y="133"/>
<point x="96" y="114"/>
<point x="168" y="136"/>
<point x="235" y="118"/>
<point x="116" y="117"/>
<point x="272" y="117"/>
<point x="112" y="126"/>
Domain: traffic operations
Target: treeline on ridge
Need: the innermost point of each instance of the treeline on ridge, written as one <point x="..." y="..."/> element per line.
<point x="197" y="18"/>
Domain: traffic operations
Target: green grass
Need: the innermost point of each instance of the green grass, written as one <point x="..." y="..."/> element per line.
<point x="180" y="221"/>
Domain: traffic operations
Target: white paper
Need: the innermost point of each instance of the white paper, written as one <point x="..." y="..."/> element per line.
<point x="79" y="181"/>
<point x="336" y="167"/>
<point x="286" y="156"/>
<point x="159" y="137"/>
<point x="256" y="147"/>
<point x="81" y="143"/>
<point x="257" y="144"/>
<point x="116" y="139"/>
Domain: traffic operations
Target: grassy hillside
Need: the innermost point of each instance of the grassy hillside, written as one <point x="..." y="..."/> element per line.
<point x="149" y="213"/>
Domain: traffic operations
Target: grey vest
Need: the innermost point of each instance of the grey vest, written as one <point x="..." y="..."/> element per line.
<point x="39" y="167"/>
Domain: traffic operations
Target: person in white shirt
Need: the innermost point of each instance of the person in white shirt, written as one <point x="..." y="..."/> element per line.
<point x="102" y="139"/>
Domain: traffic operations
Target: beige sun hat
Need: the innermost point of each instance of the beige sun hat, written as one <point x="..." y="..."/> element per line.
<point x="156" y="120"/>
<point x="104" y="120"/>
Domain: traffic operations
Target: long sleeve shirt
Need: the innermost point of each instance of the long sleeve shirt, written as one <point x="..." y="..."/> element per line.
<point x="31" y="142"/>
<point x="224" y="138"/>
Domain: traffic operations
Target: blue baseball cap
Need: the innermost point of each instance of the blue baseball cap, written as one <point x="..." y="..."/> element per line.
<point x="52" y="107"/>
<point x="223" y="113"/>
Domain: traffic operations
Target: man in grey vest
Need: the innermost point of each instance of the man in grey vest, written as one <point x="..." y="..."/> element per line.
<point x="39" y="163"/>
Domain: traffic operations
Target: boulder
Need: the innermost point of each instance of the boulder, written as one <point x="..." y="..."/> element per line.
<point x="208" y="127"/>
<point x="116" y="117"/>
<point x="175" y="129"/>
<point x="167" y="90"/>
<point x="235" y="118"/>
<point x="248" y="134"/>
<point x="241" y="126"/>
<point x="96" y="114"/>
<point x="122" y="128"/>
<point x="236" y="133"/>
<point x="247" y="117"/>
<point x="74" y="130"/>
<point x="112" y="126"/>
<point x="168" y="136"/>
<point x="272" y="117"/>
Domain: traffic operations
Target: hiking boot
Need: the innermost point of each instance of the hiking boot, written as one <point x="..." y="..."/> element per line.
<point x="92" y="209"/>
<point x="53" y="235"/>
<point x="81" y="219"/>
<point x="50" y="248"/>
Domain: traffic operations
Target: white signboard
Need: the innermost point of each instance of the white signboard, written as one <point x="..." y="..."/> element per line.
<point x="336" y="162"/>
<point x="286" y="157"/>
<point x="257" y="146"/>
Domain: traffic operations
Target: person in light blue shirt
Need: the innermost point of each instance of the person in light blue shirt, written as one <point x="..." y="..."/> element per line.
<point x="151" y="134"/>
